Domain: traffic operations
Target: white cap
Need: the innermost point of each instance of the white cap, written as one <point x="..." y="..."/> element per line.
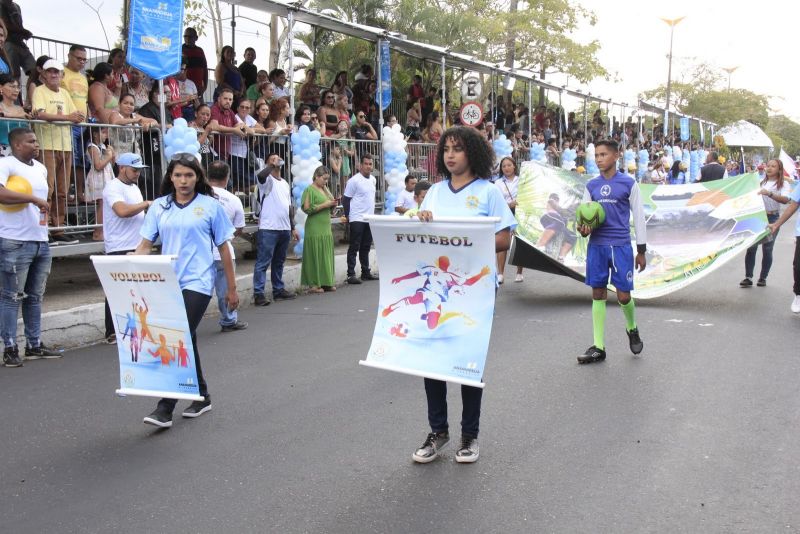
<point x="52" y="64"/>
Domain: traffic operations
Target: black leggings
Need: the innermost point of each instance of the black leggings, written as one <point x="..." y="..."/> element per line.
<point x="196" y="304"/>
<point x="796" y="265"/>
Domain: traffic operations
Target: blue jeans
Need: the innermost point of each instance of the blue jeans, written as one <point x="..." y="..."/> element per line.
<point x="272" y="246"/>
<point x="25" y="266"/>
<point x="226" y="318"/>
<point x="767" y="244"/>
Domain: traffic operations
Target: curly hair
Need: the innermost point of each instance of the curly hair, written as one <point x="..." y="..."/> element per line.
<point x="480" y="155"/>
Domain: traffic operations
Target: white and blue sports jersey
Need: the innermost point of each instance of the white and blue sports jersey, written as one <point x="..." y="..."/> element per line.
<point x="619" y="196"/>
<point x="189" y="232"/>
<point x="479" y="198"/>
<point x="795" y="197"/>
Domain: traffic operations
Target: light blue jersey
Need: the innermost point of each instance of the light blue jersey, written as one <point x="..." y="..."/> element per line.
<point x="795" y="197"/>
<point x="189" y="232"/>
<point x="479" y="198"/>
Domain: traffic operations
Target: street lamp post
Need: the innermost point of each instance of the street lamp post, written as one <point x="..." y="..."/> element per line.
<point x="672" y="23"/>
<point x="730" y="70"/>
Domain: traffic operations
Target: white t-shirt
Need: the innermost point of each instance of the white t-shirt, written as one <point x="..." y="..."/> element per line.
<point x="187" y="87"/>
<point x="23" y="225"/>
<point x="239" y="145"/>
<point x="235" y="212"/>
<point x="771" y="205"/>
<point x="279" y="92"/>
<point x="361" y="190"/>
<point x="508" y="188"/>
<point x="121" y="233"/>
<point x="277" y="198"/>
<point x="406" y="200"/>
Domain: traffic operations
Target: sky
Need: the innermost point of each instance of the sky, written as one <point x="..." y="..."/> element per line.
<point x="634" y="41"/>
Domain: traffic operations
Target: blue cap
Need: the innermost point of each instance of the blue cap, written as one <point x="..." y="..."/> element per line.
<point x="129" y="159"/>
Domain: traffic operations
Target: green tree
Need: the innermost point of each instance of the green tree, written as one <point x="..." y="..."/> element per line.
<point x="724" y="107"/>
<point x="784" y="132"/>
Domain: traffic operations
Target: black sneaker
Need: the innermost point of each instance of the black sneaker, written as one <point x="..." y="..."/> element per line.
<point x="284" y="295"/>
<point x="369" y="276"/>
<point x="429" y="450"/>
<point x="34" y="353"/>
<point x="11" y="357"/>
<point x="111" y="339"/>
<point x="159" y="419"/>
<point x="261" y="300"/>
<point x="635" y="341"/>
<point x="592" y="354"/>
<point x="198" y="408"/>
<point x="468" y="452"/>
<point x="353" y="280"/>
<point x="63" y="239"/>
<point x="746" y="283"/>
<point x="761" y="282"/>
<point x="238" y="325"/>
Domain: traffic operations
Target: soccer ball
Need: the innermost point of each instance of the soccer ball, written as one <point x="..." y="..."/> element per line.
<point x="590" y="214"/>
<point x="399" y="330"/>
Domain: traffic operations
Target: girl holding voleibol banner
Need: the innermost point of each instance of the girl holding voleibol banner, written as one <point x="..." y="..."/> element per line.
<point x="466" y="160"/>
<point x="190" y="221"/>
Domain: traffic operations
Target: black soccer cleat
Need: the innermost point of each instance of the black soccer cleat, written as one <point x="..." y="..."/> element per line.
<point x="592" y="354"/>
<point x="635" y="341"/>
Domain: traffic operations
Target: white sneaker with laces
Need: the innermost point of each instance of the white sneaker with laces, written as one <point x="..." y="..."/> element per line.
<point x="518" y="278"/>
<point x="796" y="304"/>
<point x="499" y="278"/>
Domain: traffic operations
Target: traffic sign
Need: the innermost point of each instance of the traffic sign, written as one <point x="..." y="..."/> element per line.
<point x="471" y="114"/>
<point x="471" y="87"/>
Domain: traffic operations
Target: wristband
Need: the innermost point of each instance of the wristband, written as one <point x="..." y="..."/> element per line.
<point x="641" y="249"/>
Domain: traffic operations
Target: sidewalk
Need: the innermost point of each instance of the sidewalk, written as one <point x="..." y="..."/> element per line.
<point x="73" y="307"/>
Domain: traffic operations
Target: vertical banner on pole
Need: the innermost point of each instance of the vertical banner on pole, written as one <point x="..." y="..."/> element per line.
<point x="684" y="129"/>
<point x="437" y="295"/>
<point x="386" y="74"/>
<point x="156" y="358"/>
<point x="154" y="37"/>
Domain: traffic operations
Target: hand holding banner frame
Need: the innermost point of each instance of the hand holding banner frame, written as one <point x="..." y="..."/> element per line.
<point x="437" y="290"/>
<point x="156" y="358"/>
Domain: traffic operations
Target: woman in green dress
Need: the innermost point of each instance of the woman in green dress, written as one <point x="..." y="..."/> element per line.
<point x="318" y="202"/>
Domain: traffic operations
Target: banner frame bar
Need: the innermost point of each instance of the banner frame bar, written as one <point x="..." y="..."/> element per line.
<point x="456" y="220"/>
<point x="434" y="376"/>
<point x="124" y="392"/>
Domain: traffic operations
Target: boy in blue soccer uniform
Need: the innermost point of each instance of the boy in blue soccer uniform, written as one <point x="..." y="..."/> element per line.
<point x="609" y="250"/>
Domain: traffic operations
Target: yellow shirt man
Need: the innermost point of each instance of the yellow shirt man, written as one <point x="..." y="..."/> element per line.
<point x="53" y="136"/>
<point x="77" y="86"/>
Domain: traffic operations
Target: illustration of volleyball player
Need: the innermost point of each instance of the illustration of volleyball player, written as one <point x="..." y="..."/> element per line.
<point x="130" y="330"/>
<point x="183" y="354"/>
<point x="142" y="311"/>
<point x="435" y="290"/>
<point x="163" y="351"/>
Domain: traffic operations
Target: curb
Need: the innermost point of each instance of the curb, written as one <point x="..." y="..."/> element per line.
<point x="85" y="325"/>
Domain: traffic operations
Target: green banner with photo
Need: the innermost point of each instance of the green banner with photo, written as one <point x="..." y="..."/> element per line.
<point x="692" y="229"/>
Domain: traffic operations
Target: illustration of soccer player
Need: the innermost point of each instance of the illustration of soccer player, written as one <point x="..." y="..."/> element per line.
<point x="435" y="291"/>
<point x="162" y="351"/>
<point x="183" y="354"/>
<point x="142" y="311"/>
<point x="554" y="222"/>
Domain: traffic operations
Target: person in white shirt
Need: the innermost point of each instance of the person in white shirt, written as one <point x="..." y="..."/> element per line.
<point x="405" y="200"/>
<point x="23" y="241"/>
<point x="358" y="201"/>
<point x="241" y="173"/>
<point x="218" y="173"/>
<point x="275" y="231"/>
<point x="508" y="184"/>
<point x="278" y="79"/>
<point x="123" y="206"/>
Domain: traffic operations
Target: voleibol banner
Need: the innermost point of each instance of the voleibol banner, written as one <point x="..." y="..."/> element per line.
<point x="156" y="358"/>
<point x="154" y="37"/>
<point x="437" y="289"/>
<point x="692" y="229"/>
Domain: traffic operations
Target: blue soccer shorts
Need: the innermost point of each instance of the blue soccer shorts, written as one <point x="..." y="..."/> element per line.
<point x="605" y="260"/>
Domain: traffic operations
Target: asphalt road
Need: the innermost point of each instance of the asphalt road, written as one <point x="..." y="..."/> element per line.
<point x="699" y="434"/>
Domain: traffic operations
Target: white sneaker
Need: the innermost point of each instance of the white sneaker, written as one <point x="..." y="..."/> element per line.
<point x="796" y="304"/>
<point x="500" y="280"/>
<point x="518" y="278"/>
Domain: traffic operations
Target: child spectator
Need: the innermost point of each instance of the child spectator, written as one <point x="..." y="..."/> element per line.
<point x="100" y="173"/>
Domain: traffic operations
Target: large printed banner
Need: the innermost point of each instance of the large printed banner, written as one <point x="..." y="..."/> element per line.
<point x="154" y="37"/>
<point x="436" y="303"/>
<point x="386" y="73"/>
<point x="156" y="358"/>
<point x="692" y="229"/>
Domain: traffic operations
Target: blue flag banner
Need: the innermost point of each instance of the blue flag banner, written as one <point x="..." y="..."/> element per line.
<point x="685" y="134"/>
<point x="437" y="290"/>
<point x="154" y="37"/>
<point x="156" y="358"/>
<point x="386" y="75"/>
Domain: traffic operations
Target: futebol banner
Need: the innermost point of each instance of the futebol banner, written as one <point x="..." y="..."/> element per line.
<point x="692" y="229"/>
<point x="156" y="358"/>
<point x="437" y="289"/>
<point x="154" y="37"/>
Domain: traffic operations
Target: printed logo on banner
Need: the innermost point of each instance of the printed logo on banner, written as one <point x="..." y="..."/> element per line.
<point x="129" y="379"/>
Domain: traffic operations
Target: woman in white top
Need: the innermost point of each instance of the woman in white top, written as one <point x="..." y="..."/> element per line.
<point x="507" y="183"/>
<point x="775" y="191"/>
<point x="658" y="175"/>
<point x="241" y="170"/>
